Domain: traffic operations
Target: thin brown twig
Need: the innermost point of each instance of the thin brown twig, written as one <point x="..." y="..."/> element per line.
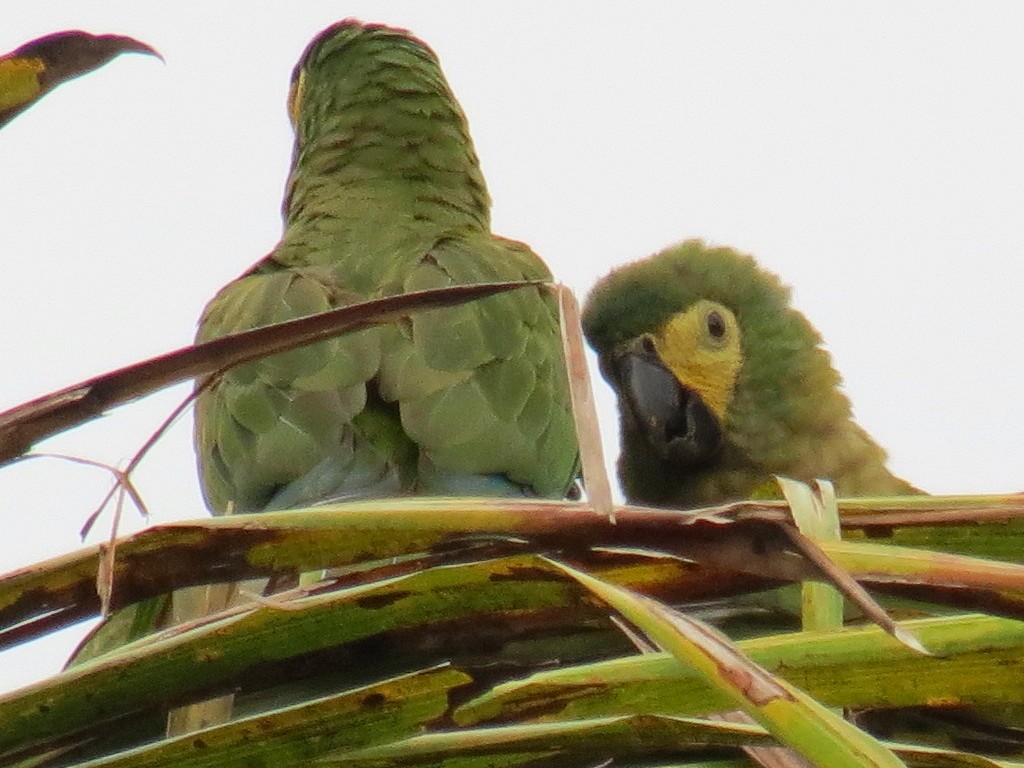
<point x="151" y="441"/>
<point x="105" y="575"/>
<point x="121" y="480"/>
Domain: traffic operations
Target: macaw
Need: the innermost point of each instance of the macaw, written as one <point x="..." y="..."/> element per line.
<point x="722" y="384"/>
<point x="385" y="196"/>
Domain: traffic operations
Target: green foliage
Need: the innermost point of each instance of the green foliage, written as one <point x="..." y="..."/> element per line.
<point x="455" y="632"/>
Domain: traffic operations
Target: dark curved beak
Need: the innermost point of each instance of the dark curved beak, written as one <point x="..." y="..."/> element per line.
<point x="674" y="419"/>
<point x="120" y="44"/>
<point x="67" y="55"/>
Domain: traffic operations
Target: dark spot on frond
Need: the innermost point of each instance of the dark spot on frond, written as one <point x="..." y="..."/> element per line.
<point x="382" y="601"/>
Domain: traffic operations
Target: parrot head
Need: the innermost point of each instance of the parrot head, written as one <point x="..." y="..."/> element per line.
<point x="719" y="379"/>
<point x="676" y="381"/>
<point x="369" y="104"/>
<point x="340" y="66"/>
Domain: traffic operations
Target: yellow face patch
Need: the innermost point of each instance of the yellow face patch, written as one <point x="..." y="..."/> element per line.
<point x="19" y="80"/>
<point x="295" y="94"/>
<point x="701" y="347"/>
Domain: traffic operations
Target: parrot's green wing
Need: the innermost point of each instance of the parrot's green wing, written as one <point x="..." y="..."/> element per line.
<point x="482" y="388"/>
<point x="265" y="424"/>
<point x="470" y="400"/>
<point x="31" y="71"/>
<point x="722" y="384"/>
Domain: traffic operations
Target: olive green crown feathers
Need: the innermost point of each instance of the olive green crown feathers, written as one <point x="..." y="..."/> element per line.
<point x="641" y="296"/>
<point x="350" y="126"/>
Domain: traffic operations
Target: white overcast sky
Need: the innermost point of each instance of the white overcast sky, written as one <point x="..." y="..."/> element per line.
<point x="871" y="153"/>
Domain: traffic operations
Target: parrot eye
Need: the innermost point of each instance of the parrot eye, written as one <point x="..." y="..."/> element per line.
<point x="647" y="343"/>
<point x="716" y="324"/>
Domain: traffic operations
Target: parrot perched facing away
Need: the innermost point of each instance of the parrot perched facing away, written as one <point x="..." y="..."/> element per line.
<point x="31" y="71"/>
<point x="722" y="384"/>
<point x="385" y="196"/>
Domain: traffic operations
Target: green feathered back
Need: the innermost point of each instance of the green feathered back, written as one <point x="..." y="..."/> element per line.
<point x="787" y="415"/>
<point x="386" y="196"/>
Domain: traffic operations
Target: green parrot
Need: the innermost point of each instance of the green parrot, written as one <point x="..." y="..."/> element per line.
<point x="385" y="196"/>
<point x="722" y="384"/>
<point x="31" y="71"/>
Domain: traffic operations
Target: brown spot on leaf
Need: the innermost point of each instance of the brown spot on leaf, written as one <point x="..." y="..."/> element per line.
<point x="382" y="601"/>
